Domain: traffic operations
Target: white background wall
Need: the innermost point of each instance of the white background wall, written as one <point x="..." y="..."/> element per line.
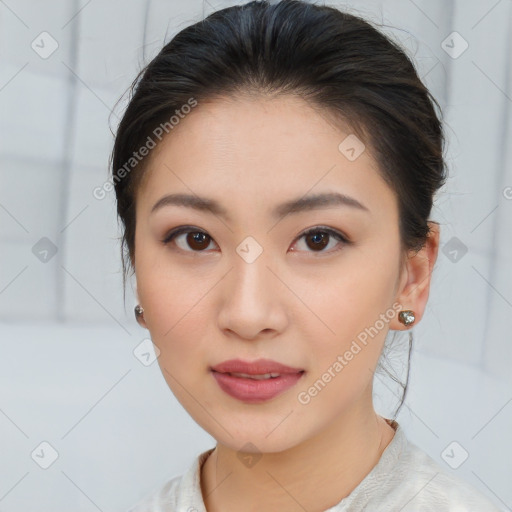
<point x="68" y="375"/>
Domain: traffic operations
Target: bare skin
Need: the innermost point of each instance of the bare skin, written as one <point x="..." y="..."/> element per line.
<point x="204" y="304"/>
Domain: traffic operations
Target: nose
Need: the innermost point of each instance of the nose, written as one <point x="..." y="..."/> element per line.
<point x="253" y="300"/>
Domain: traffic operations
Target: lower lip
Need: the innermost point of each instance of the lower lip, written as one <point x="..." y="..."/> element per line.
<point x="255" y="391"/>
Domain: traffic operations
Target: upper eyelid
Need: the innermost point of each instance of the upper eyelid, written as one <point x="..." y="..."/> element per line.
<point x="180" y="230"/>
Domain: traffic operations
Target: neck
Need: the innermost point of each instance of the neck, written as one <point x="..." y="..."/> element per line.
<point x="314" y="475"/>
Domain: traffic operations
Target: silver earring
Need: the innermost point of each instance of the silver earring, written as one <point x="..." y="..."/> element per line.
<point x="406" y="317"/>
<point x="139" y="312"/>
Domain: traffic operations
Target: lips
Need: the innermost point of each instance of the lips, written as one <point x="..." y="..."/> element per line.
<point x="256" y="381"/>
<point x="260" y="367"/>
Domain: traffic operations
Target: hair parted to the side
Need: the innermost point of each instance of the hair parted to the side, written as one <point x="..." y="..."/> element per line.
<point x="338" y="62"/>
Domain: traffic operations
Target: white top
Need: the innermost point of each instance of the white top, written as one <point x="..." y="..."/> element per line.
<point x="406" y="478"/>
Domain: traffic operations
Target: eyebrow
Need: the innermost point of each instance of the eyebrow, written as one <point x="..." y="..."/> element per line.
<point x="302" y="204"/>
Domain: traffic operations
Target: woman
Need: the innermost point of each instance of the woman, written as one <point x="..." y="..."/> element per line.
<point x="275" y="171"/>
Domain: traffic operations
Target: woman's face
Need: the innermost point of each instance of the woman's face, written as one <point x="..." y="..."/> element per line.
<point x="249" y="285"/>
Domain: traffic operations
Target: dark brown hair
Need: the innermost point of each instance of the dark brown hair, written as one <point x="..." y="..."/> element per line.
<point x="338" y="62"/>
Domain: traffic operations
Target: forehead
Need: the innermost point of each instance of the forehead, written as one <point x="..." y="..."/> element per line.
<point x="262" y="149"/>
<point x="254" y="128"/>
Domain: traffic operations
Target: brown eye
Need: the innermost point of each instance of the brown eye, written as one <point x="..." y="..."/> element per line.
<point x="197" y="240"/>
<point x="317" y="238"/>
<point x="194" y="240"/>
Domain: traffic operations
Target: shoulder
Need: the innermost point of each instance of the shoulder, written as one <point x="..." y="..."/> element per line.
<point x="424" y="485"/>
<point x="179" y="493"/>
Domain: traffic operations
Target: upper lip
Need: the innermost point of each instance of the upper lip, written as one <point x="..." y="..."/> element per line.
<point x="257" y="367"/>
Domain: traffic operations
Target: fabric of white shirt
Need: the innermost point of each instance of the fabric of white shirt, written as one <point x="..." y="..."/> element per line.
<point x="405" y="479"/>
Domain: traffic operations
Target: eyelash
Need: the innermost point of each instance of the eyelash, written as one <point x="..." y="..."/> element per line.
<point x="316" y="229"/>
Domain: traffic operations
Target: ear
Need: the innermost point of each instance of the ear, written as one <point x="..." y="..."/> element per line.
<point x="415" y="279"/>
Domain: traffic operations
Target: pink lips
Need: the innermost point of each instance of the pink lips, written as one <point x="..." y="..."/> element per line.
<point x="258" y="367"/>
<point x="253" y="390"/>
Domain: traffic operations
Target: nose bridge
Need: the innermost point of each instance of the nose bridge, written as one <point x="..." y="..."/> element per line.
<point x="251" y="294"/>
<point x="252" y="277"/>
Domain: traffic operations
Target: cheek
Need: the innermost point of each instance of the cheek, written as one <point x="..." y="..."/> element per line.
<point x="178" y="316"/>
<point x="171" y="295"/>
<point x="176" y="321"/>
<point x="351" y="300"/>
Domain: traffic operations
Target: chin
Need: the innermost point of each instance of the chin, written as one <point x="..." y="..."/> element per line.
<point x="251" y="438"/>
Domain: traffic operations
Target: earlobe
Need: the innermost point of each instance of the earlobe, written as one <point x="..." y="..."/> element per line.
<point x="415" y="287"/>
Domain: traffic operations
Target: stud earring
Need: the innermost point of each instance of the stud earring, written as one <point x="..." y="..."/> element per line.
<point x="406" y="317"/>
<point x="139" y="312"/>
